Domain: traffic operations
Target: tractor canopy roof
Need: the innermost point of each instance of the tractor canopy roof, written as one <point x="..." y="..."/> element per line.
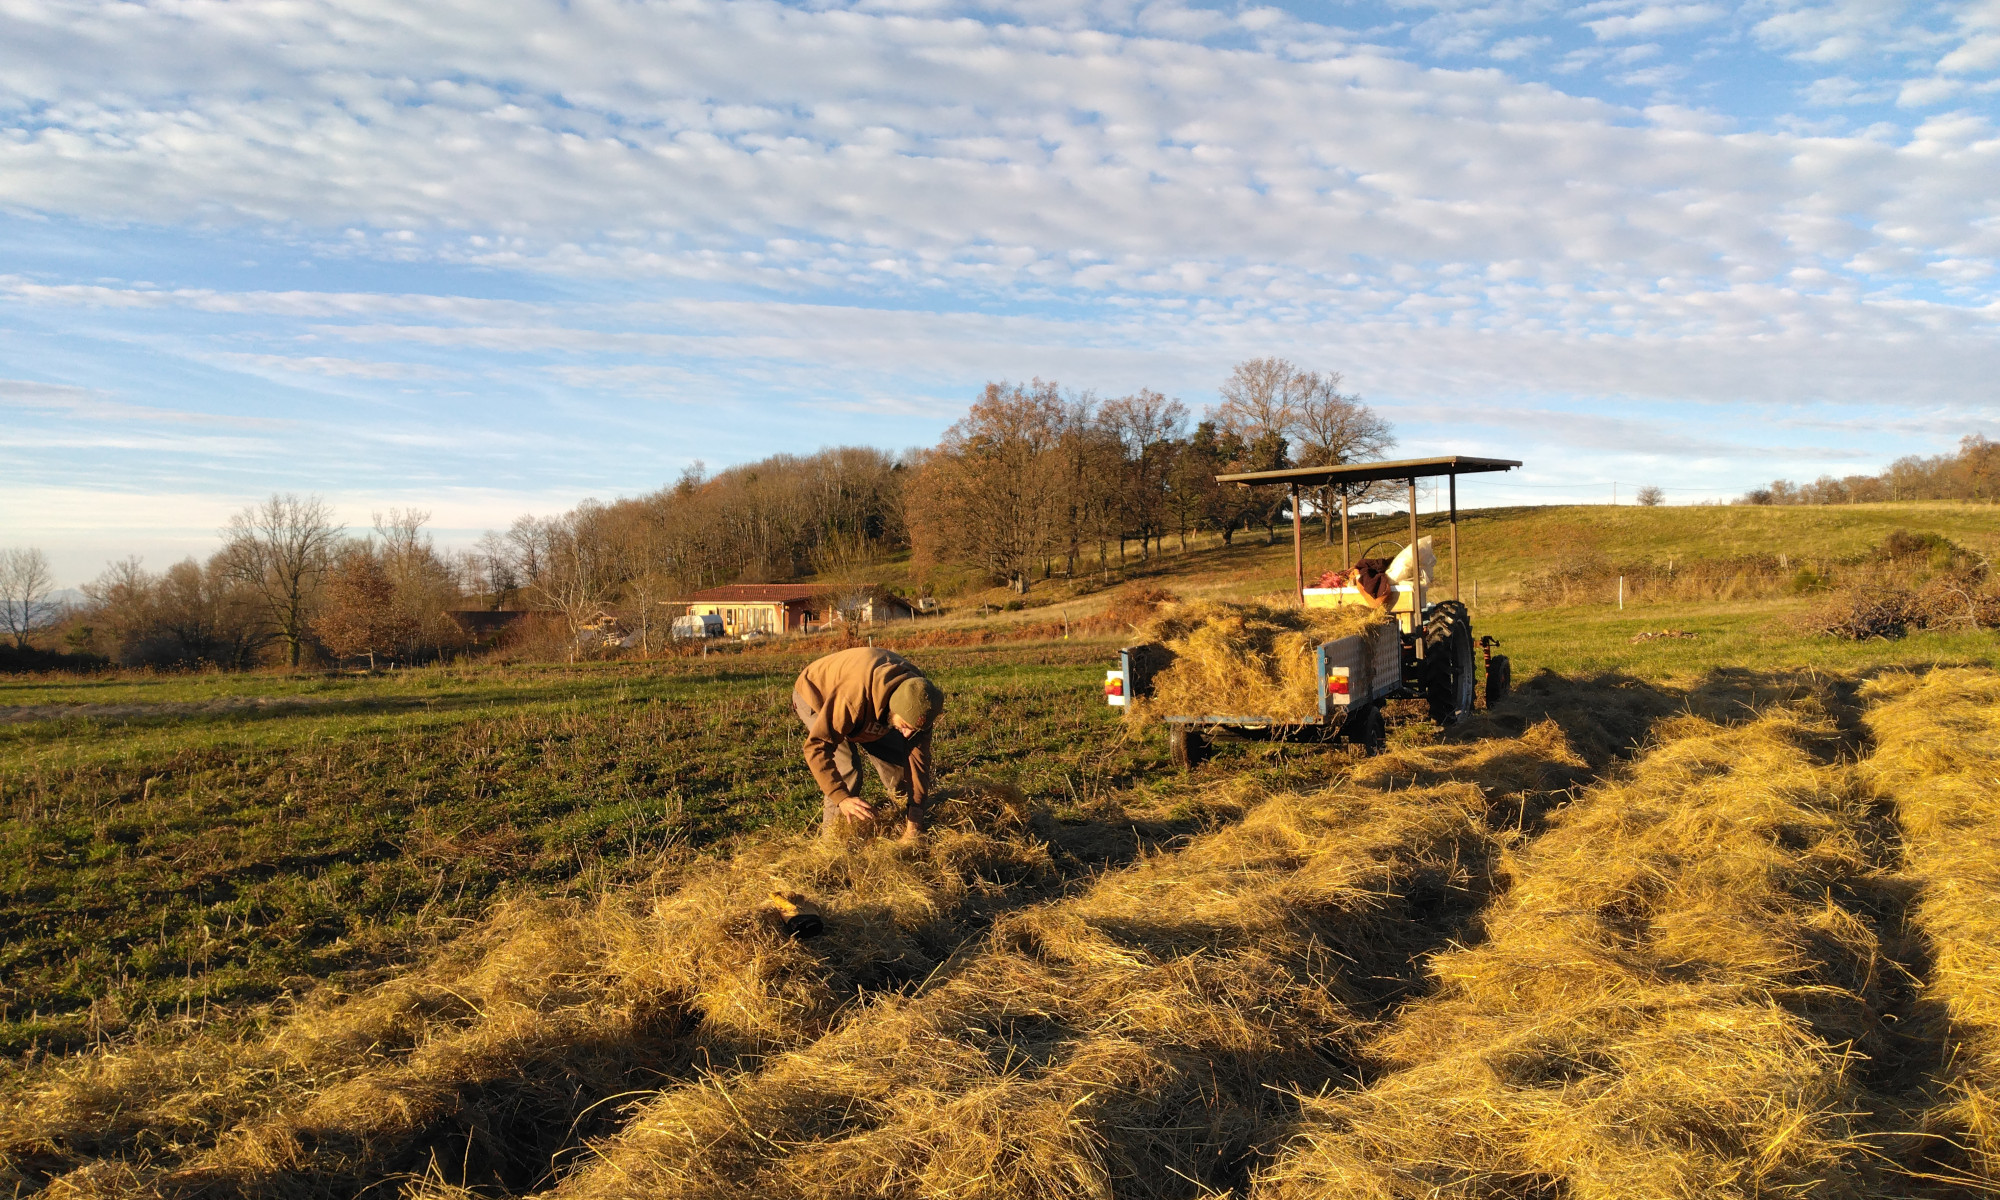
<point x="1407" y="468"/>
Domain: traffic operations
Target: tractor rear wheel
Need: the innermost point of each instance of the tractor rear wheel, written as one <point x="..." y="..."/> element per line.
<point x="1449" y="684"/>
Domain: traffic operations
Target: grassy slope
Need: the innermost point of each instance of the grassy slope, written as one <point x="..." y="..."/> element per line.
<point x="185" y="852"/>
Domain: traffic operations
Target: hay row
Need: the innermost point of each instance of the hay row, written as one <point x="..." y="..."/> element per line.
<point x="1669" y="1002"/>
<point x="1159" y="1024"/>
<point x="538" y="1013"/>
<point x="1138" y="1040"/>
<point x="1937" y="758"/>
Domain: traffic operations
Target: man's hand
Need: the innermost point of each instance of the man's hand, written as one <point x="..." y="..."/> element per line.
<point x="854" y="808"/>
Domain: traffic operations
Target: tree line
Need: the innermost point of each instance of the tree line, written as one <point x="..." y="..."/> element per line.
<point x="1972" y="472"/>
<point x="1034" y="481"/>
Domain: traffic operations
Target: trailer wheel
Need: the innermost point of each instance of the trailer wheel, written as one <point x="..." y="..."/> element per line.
<point x="1368" y="729"/>
<point x="1186" y="747"/>
<point x="1450" y="686"/>
<point x="1499" y="678"/>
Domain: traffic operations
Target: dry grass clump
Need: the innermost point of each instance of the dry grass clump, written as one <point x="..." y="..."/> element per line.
<point x="1246" y="659"/>
<point x="1667" y="1002"/>
<point x="1937" y="757"/>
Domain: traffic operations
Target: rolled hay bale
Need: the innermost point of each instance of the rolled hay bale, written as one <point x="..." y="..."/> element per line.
<point x="1937" y="760"/>
<point x="1670" y="1001"/>
<point x="1246" y="659"/>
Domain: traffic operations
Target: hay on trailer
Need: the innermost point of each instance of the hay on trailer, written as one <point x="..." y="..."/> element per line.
<point x="1937" y="758"/>
<point x="1246" y="659"/>
<point x="1668" y="1002"/>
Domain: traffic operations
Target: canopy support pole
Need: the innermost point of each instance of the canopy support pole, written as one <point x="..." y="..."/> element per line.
<point x="1298" y="546"/>
<point x="1345" y="562"/>
<point x="1416" y="573"/>
<point x="1454" y="535"/>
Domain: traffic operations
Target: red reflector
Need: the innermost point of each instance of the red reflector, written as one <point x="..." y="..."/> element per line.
<point x="1114" y="687"/>
<point x="1336" y="686"/>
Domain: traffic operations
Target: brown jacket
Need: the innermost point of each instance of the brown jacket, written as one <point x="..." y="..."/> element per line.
<point x="848" y="694"/>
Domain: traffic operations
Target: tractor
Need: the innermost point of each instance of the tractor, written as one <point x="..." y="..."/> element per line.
<point x="1427" y="654"/>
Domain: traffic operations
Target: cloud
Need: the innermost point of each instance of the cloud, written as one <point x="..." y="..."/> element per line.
<point x="1656" y="19"/>
<point x="29" y="396"/>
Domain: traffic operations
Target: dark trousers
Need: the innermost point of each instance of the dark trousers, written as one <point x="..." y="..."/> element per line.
<point x="889" y="754"/>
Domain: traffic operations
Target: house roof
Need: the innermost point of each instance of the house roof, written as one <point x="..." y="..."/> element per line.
<point x="759" y="593"/>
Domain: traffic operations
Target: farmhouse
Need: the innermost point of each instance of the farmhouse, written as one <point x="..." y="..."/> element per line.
<point x="761" y="607"/>
<point x="796" y="607"/>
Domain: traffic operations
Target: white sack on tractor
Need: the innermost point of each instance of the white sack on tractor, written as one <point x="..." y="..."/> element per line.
<point x="1399" y="569"/>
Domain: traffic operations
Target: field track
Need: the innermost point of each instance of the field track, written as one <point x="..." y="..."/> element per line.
<point x="1608" y="940"/>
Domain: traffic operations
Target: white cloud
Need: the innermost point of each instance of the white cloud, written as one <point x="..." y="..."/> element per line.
<point x="847" y="213"/>
<point x="1656" y="19"/>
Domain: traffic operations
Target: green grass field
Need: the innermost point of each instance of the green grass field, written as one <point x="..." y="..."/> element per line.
<point x="210" y="844"/>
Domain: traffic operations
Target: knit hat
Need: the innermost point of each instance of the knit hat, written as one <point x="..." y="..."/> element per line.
<point x="917" y="701"/>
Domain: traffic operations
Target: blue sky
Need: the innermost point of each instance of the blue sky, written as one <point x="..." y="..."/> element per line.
<point x="492" y="257"/>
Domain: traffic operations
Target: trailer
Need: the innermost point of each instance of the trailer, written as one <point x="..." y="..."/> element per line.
<point x="1427" y="652"/>
<point x="702" y="625"/>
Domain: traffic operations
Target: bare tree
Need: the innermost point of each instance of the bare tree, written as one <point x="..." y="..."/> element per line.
<point x="1259" y="410"/>
<point x="570" y="563"/>
<point x="993" y="492"/>
<point x="1331" y="429"/>
<point x="1651" y="496"/>
<point x="1146" y="425"/>
<point x="25" y="583"/>
<point x="280" y="549"/>
<point x="1259" y="399"/>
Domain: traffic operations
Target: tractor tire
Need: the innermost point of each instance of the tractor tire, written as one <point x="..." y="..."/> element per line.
<point x="1450" y="685"/>
<point x="1186" y="746"/>
<point x="1499" y="679"/>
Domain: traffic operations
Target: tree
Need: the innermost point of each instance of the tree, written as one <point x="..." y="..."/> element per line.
<point x="569" y="562"/>
<point x="1651" y="497"/>
<point x="358" y="613"/>
<point x="1146" y="425"/>
<point x="1260" y="407"/>
<point x="25" y="583"/>
<point x="425" y="586"/>
<point x="1332" y="429"/>
<point x="992" y="491"/>
<point x="280" y="549"/>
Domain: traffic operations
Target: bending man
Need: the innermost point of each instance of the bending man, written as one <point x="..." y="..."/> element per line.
<point x="872" y="702"/>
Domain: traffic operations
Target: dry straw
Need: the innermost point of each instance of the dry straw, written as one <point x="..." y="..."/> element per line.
<point x="1246" y="659"/>
<point x="994" y="1016"/>
<point x="1668" y="1003"/>
<point x="1937" y="759"/>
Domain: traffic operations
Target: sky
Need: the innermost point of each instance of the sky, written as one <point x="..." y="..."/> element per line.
<point x="487" y="257"/>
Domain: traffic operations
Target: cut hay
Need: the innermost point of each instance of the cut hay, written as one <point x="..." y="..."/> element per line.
<point x="1137" y="1040"/>
<point x="520" y="1030"/>
<point x="1668" y="1002"/>
<point x="1246" y="659"/>
<point x="1937" y="758"/>
<point x="1001" y="1014"/>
